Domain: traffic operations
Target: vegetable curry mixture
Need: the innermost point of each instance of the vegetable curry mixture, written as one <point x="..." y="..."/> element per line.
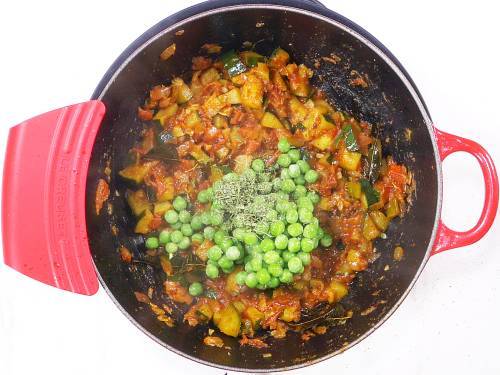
<point x="268" y="196"/>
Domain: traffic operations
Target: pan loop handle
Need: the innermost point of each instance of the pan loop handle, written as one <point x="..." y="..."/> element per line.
<point x="447" y="238"/>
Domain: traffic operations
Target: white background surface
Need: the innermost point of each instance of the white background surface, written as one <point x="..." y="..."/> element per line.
<point x="54" y="53"/>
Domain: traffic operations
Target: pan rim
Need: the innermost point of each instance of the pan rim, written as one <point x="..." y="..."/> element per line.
<point x="409" y="86"/>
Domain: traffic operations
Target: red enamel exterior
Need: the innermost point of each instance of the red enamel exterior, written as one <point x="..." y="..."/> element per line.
<point x="43" y="200"/>
<point x="447" y="238"/>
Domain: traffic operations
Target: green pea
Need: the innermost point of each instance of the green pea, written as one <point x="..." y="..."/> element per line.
<point x="277" y="227"/>
<point x="300" y="181"/>
<point x="258" y="165"/>
<point x="320" y="233"/>
<point x="239" y="233"/>
<point x="283" y="145"/>
<point x="294" y="170"/>
<point x="286" y="256"/>
<point x="305" y="215"/>
<point x="293" y="245"/>
<point x="305" y="202"/>
<point x="195" y="289"/>
<point x="305" y="258"/>
<point x="274" y="282"/>
<point x="294" y="155"/>
<point x="271" y="257"/>
<point x="286" y="277"/>
<point x="326" y="240"/>
<point x="164" y="236"/>
<point x="248" y="267"/>
<point x="179" y="203"/>
<point x="209" y="233"/>
<point x="152" y="243"/>
<point x="171" y="248"/>
<point x="276" y="184"/>
<point x="303" y="165"/>
<point x="211" y="271"/>
<point x="313" y="197"/>
<point x="226" y="243"/>
<point x="266" y="245"/>
<point x="202" y="196"/>
<point x="241" y="277"/>
<point x="206" y="218"/>
<point x="233" y="253"/>
<point x="251" y="280"/>
<point x="171" y="217"/>
<point x="310" y="231"/>
<point x="184" y="243"/>
<point x="224" y="262"/>
<point x="250" y="238"/>
<point x="216" y="218"/>
<point x="210" y="194"/>
<point x="295" y="229"/>
<point x="284" y="160"/>
<point x="311" y="176"/>
<point x="295" y="264"/>
<point x="284" y="174"/>
<point x="196" y="223"/>
<point x="262" y="227"/>
<point x="307" y="245"/>
<point x="176" y="236"/>
<point x="275" y="269"/>
<point x="184" y="216"/>
<point x="197" y="237"/>
<point x="219" y="236"/>
<point x="300" y="191"/>
<point x="214" y="253"/>
<point x="187" y="230"/>
<point x="176" y="226"/>
<point x="263" y="276"/>
<point x="292" y="216"/>
<point x="256" y="262"/>
<point x="288" y="185"/>
<point x="281" y="242"/>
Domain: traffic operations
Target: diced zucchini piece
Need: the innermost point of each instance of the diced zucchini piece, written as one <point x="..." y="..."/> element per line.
<point x="322" y="106"/>
<point x="215" y="173"/>
<point x="232" y="96"/>
<point x="232" y="63"/>
<point x="161" y="207"/>
<point x="323" y="142"/>
<point x="298" y="111"/>
<point x="143" y="225"/>
<point x="289" y="314"/>
<point x="228" y="320"/>
<point x="177" y="131"/>
<point x="354" y="189"/>
<point x="349" y="160"/>
<point x="205" y="312"/>
<point x="138" y="201"/>
<point x="271" y="121"/>
<point x="242" y="163"/>
<point x="200" y="155"/>
<point x="232" y="286"/>
<point x="380" y="220"/>
<point x="279" y="58"/>
<point x="180" y="91"/>
<point x="238" y="305"/>
<point x="251" y="58"/>
<point x="240" y="79"/>
<point x="213" y="105"/>
<point x="210" y="75"/>
<point x="220" y="122"/>
<point x="278" y="80"/>
<point x="164" y="114"/>
<point x="336" y="291"/>
<point x="193" y="119"/>
<point x="254" y="315"/>
<point x="261" y="71"/>
<point x="136" y="172"/>
<point x="392" y="209"/>
<point x="168" y="194"/>
<point x="252" y="92"/>
<point x="370" y="230"/>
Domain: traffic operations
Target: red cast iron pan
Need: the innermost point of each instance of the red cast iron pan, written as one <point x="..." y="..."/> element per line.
<point x="53" y="163"/>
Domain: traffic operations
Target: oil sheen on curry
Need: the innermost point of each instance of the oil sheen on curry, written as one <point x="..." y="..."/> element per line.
<point x="257" y="197"/>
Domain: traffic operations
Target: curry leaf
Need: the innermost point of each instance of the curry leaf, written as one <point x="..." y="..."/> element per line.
<point x="347" y="135"/>
<point x="372" y="195"/>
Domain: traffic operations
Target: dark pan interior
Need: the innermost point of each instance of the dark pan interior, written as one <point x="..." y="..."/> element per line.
<point x="387" y="103"/>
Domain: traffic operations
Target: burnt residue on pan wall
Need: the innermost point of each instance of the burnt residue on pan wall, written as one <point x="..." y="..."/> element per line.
<point x="386" y="103"/>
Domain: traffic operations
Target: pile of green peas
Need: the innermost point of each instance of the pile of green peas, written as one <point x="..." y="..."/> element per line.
<point x="270" y="257"/>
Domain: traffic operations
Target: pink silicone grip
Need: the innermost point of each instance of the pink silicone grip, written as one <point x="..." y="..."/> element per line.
<point x="43" y="199"/>
<point x="447" y="238"/>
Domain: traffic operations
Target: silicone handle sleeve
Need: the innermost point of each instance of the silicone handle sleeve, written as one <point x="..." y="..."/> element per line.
<point x="43" y="199"/>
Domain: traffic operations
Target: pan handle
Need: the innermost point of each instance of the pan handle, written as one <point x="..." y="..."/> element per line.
<point x="43" y="198"/>
<point x="447" y="238"/>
